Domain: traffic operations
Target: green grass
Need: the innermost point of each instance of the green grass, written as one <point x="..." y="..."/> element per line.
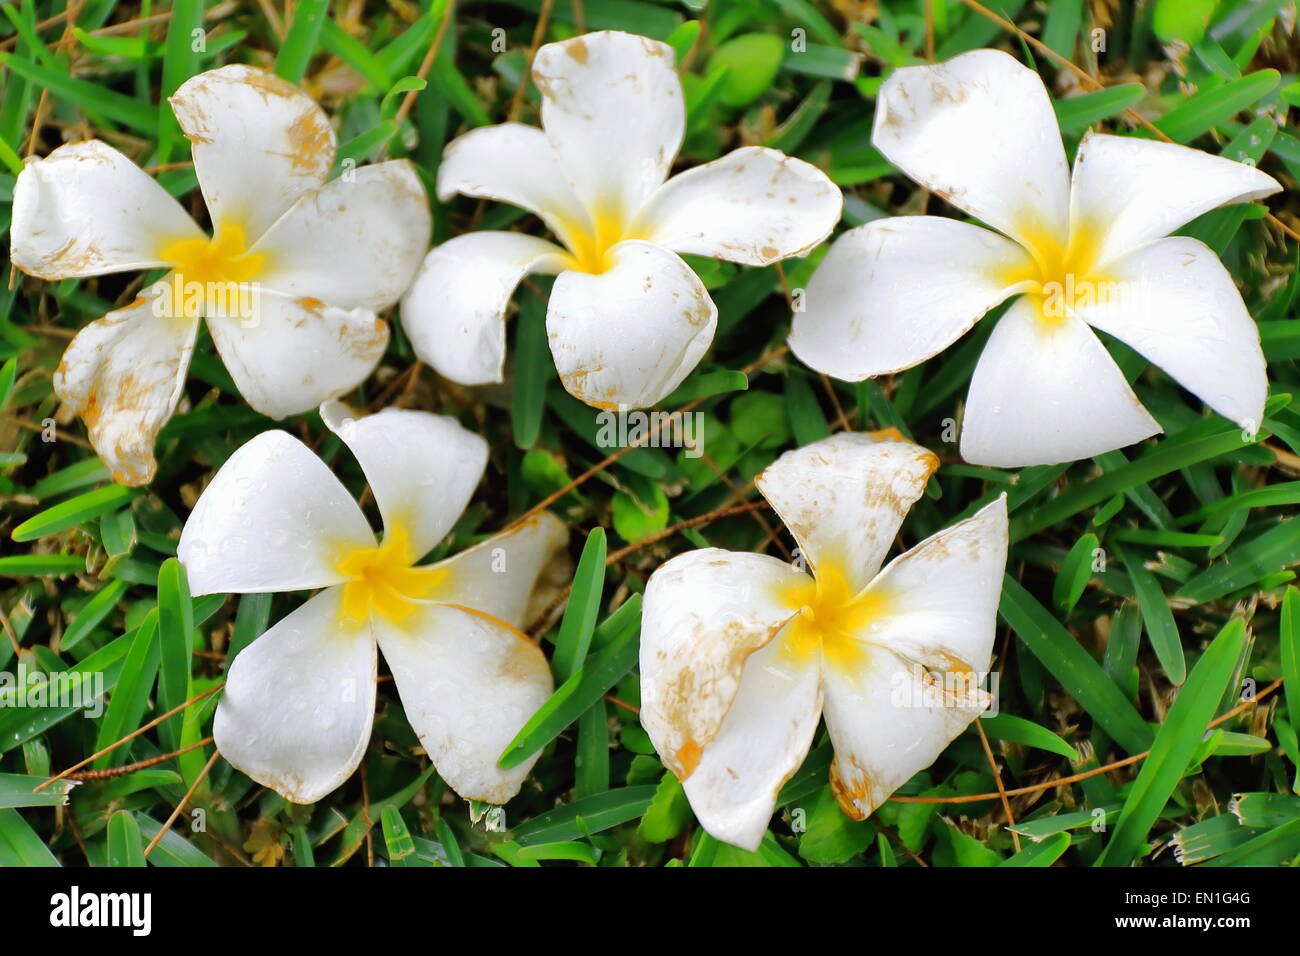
<point x="1167" y="563"/>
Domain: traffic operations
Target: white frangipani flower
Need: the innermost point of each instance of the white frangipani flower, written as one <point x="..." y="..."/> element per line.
<point x="298" y="704"/>
<point x="628" y="320"/>
<point x="742" y="653"/>
<point x="289" y="283"/>
<point x="1081" y="251"/>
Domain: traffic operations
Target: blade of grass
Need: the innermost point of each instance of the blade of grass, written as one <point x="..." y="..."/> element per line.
<point x="1180" y="734"/>
<point x="1207" y="109"/>
<point x="1200" y="442"/>
<point x="396" y="837"/>
<point x="534" y="368"/>
<point x="1060" y="653"/>
<point x="1289" y="638"/>
<point x="1027" y="733"/>
<point x="91" y="613"/>
<point x="1040" y="854"/>
<point x="1077" y="113"/>
<point x="300" y="41"/>
<point x="580" y="614"/>
<point x="1275" y="550"/>
<point x="1161" y="629"/>
<point x="125" y="844"/>
<point x="131" y="695"/>
<point x="588" y="815"/>
<point x="85" y="95"/>
<point x="181" y="60"/>
<point x="1075" y="573"/>
<point x="614" y="657"/>
<point x="175" y="627"/>
<point x="40" y="565"/>
<point x="19" y="843"/>
<point x="75" y="511"/>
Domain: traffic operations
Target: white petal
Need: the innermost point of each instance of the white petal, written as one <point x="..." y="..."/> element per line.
<point x="355" y="242"/>
<point x="940" y="599"/>
<point x="123" y="374"/>
<point x="259" y="143"/>
<point x="1179" y="308"/>
<point x="288" y="355"/>
<point x="895" y="292"/>
<point x="87" y="210"/>
<point x="705" y="613"/>
<point x="497" y="576"/>
<point x="612" y="107"/>
<point x="468" y="684"/>
<point x="273" y="518"/>
<point x="845" y="497"/>
<point x="762" y="742"/>
<point x="299" y="702"/>
<point x="979" y="130"/>
<point x="754" y="206"/>
<point x="515" y="164"/>
<point x="1132" y="190"/>
<point x="889" y="720"/>
<point x="630" y="335"/>
<point x="1045" y="393"/>
<point x="454" y="312"/>
<point x="423" y="468"/>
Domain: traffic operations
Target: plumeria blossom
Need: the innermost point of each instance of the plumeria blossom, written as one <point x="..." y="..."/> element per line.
<point x="628" y="319"/>
<point x="298" y="704"/>
<point x="289" y="282"/>
<point x="1082" y="252"/>
<point x="741" y="654"/>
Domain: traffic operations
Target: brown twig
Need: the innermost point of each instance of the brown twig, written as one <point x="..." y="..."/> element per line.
<point x="539" y="31"/>
<point x="929" y="30"/>
<point x="9" y="633"/>
<point x="997" y="779"/>
<point x="624" y="704"/>
<point x="166" y="827"/>
<point x="408" y="101"/>
<point x="131" y="736"/>
<point x="125" y="769"/>
<point x="59" y="434"/>
<point x="1075" y="778"/>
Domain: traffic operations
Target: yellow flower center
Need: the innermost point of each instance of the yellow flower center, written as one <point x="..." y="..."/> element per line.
<point x="223" y="258"/>
<point x="1064" y="276"/>
<point x="211" y="276"/>
<point x="589" y="246"/>
<point x="383" y="581"/>
<point x="831" y="618"/>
